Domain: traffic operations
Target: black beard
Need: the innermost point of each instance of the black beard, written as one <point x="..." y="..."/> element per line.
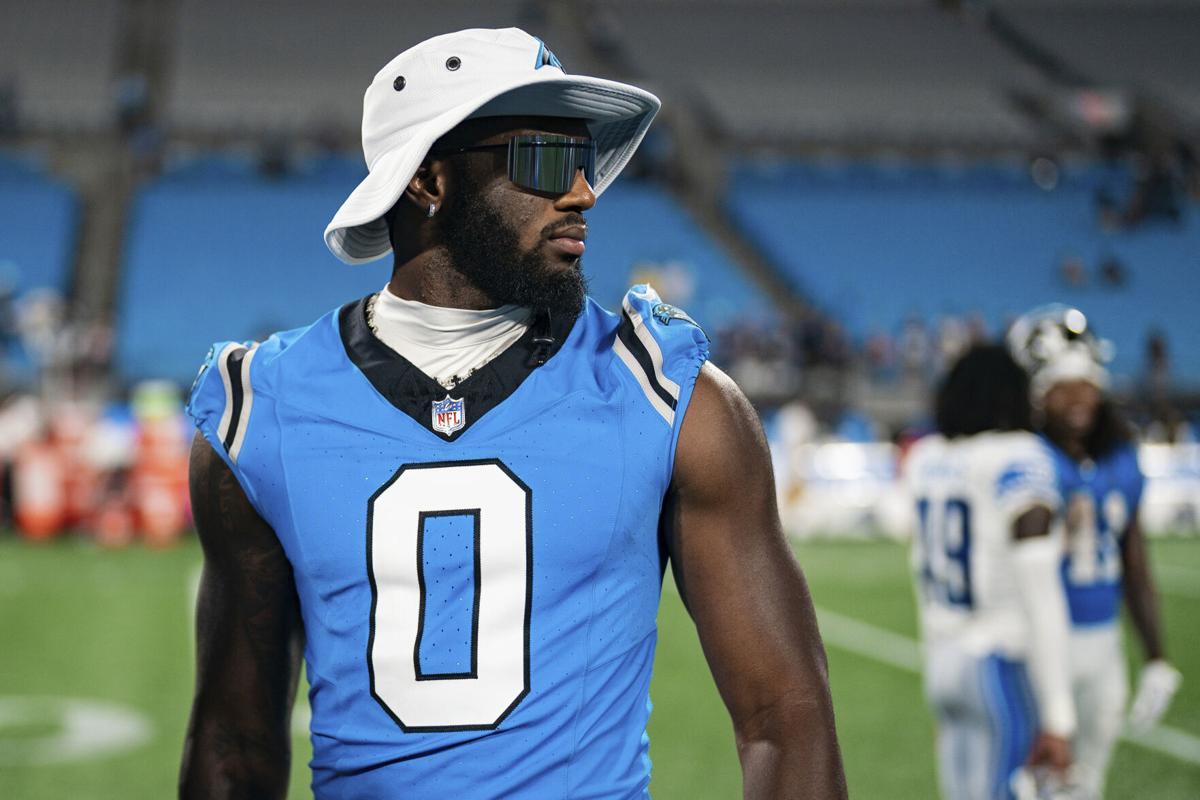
<point x="486" y="249"/>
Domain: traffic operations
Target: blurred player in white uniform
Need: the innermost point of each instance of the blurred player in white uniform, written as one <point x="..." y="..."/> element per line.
<point x="1101" y="486"/>
<point x="985" y="557"/>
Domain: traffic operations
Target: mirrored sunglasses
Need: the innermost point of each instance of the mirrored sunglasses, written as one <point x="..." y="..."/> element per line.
<point x="544" y="162"/>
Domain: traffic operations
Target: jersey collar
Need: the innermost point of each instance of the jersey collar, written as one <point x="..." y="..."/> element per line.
<point x="413" y="392"/>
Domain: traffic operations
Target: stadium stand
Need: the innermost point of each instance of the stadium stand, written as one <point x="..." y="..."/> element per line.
<point x="240" y="254"/>
<point x="39" y="217"/>
<point x="639" y="234"/>
<point x="814" y="72"/>
<point x="1149" y="46"/>
<point x="876" y="245"/>
<point x="247" y="250"/>
<point x="298" y="84"/>
<point x="57" y="58"/>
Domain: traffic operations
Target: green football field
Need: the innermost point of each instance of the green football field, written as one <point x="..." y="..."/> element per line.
<point x="95" y="678"/>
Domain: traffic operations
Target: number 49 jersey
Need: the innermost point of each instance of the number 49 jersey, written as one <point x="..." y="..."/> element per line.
<point x="478" y="570"/>
<point x="968" y="492"/>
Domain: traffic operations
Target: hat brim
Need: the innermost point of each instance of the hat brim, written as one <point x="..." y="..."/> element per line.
<point x="617" y="114"/>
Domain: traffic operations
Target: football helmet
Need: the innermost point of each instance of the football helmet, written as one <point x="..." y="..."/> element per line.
<point x="1056" y="343"/>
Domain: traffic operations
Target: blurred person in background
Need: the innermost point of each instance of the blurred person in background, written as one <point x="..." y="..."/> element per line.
<point x="953" y="338"/>
<point x="481" y="410"/>
<point x="985" y="559"/>
<point x="9" y="332"/>
<point x="1166" y="423"/>
<point x="915" y="348"/>
<point x="1106" y="557"/>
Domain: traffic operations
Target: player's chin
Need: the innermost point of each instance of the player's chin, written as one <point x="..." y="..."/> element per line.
<point x="1079" y="423"/>
<point x="556" y="261"/>
<point x="561" y="288"/>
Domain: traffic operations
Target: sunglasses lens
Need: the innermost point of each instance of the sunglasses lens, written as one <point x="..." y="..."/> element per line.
<point x="549" y="163"/>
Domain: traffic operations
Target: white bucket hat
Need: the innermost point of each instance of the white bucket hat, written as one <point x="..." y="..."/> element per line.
<point x="429" y="89"/>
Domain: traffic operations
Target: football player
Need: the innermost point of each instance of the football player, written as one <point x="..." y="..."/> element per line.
<point x="1106" y="556"/>
<point x="458" y="495"/>
<point x="985" y="559"/>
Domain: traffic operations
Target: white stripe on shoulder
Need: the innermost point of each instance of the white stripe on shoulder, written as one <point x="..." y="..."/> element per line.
<point x="247" y="402"/>
<point x="223" y="369"/>
<point x="656" y="356"/>
<point x="664" y="410"/>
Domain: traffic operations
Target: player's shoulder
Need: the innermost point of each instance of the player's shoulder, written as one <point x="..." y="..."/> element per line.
<point x="235" y="374"/>
<point x="927" y="459"/>
<point x="291" y="349"/>
<point x="658" y="345"/>
<point x="1124" y="456"/>
<point x="929" y="447"/>
<point x="672" y="328"/>
<point x="1123" y="463"/>
<point x="1016" y="464"/>
<point x="643" y="311"/>
<point x="1002" y="447"/>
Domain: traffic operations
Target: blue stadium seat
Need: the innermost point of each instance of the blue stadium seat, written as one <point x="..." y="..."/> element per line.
<point x="216" y="251"/>
<point x="639" y="234"/>
<point x="38" y="223"/>
<point x="876" y="250"/>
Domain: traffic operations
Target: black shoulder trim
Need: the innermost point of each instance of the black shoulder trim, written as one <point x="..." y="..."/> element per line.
<point x="636" y="348"/>
<point x="232" y="373"/>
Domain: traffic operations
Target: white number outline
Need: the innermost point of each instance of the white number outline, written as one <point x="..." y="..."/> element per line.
<point x="1094" y="533"/>
<point x="371" y="637"/>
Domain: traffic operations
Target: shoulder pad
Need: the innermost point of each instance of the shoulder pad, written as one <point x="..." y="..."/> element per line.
<point x="222" y="395"/>
<point x="661" y="345"/>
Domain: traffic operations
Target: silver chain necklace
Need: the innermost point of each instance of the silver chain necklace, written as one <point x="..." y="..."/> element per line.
<point x="447" y="383"/>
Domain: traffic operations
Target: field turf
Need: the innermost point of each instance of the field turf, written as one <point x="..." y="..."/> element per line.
<point x="115" y="626"/>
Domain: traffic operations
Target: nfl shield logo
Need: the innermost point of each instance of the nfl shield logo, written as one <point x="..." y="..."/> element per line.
<point x="449" y="415"/>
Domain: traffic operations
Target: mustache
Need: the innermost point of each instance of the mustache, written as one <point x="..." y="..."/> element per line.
<point x="570" y="220"/>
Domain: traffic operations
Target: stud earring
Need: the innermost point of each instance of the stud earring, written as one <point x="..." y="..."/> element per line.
<point x="432" y="210"/>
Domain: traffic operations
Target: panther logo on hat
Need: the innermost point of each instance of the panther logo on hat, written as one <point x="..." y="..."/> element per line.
<point x="546" y="57"/>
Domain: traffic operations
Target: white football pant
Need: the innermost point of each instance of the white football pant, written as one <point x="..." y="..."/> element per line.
<point x="986" y="720"/>
<point x="1101" y="688"/>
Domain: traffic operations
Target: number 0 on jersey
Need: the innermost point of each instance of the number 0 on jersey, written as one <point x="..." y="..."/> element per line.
<point x="500" y="507"/>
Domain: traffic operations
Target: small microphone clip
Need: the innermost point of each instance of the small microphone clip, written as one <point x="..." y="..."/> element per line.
<point x="543" y="340"/>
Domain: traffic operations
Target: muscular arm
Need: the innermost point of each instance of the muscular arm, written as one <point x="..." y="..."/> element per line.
<point x="1140" y="596"/>
<point x="749" y="599"/>
<point x="248" y="645"/>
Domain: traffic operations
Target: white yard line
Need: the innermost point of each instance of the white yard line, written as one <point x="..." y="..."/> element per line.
<point x="869" y="641"/>
<point x="878" y="644"/>
<point x="886" y="647"/>
<point x="1171" y="741"/>
<point x="82" y="729"/>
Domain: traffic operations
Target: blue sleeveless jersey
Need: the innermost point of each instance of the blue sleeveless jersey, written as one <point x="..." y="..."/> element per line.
<point x="1101" y="500"/>
<point x="478" y="570"/>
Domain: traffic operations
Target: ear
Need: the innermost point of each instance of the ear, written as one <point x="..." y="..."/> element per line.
<point x="428" y="185"/>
